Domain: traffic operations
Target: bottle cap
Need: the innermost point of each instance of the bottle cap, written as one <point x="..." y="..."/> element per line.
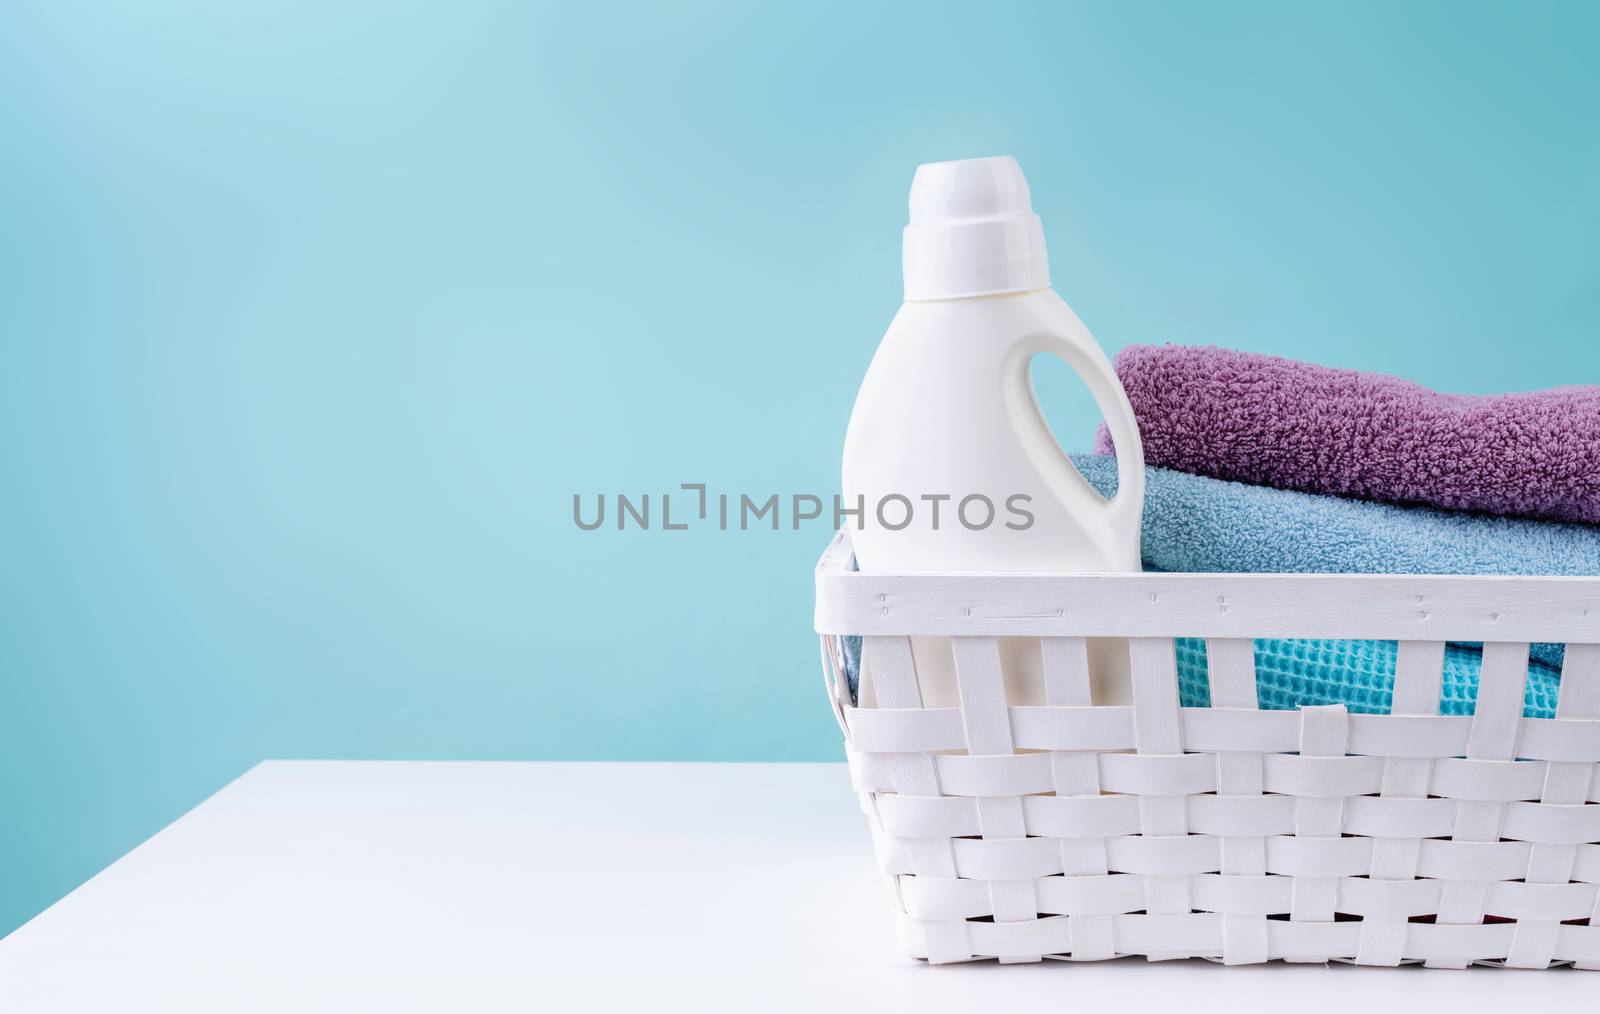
<point x="972" y="231"/>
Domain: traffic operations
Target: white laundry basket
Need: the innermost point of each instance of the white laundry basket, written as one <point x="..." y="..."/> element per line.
<point x="1232" y="833"/>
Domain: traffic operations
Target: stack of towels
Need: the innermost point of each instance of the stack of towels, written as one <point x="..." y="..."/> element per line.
<point x="1261" y="464"/>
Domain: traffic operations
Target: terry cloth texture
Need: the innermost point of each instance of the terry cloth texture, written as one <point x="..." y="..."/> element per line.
<point x="1192" y="523"/>
<point x="1276" y="422"/>
<point x="1196" y="524"/>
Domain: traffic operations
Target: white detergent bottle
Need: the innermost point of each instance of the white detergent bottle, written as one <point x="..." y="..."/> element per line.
<point x="947" y="409"/>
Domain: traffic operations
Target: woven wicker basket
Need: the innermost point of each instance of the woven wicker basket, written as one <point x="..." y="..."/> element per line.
<point x="1072" y="831"/>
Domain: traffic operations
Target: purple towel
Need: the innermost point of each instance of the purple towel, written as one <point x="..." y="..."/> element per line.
<point x="1275" y="422"/>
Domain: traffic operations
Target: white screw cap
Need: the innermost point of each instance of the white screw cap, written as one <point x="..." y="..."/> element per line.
<point x="972" y="231"/>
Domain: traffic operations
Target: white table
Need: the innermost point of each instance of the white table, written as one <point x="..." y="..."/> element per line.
<point x="462" y="887"/>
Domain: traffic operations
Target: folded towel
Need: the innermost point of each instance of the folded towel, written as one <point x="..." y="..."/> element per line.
<point x="1192" y="523"/>
<point x="1358" y="674"/>
<point x="1276" y="422"/>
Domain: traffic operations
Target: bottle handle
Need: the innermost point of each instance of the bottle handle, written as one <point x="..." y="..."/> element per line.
<point x="1092" y="366"/>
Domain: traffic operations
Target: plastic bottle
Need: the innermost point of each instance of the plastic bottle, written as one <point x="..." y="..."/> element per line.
<point x="947" y="409"/>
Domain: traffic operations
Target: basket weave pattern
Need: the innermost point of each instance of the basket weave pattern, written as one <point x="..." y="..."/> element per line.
<point x="1086" y="832"/>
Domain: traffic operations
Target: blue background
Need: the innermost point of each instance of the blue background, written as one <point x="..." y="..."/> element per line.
<point x="315" y="317"/>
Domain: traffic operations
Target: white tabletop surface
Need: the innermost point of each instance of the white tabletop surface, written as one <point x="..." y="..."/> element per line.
<point x="460" y="887"/>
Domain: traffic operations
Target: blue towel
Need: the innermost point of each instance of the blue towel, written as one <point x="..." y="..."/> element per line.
<point x="1194" y="523"/>
<point x="1358" y="674"/>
